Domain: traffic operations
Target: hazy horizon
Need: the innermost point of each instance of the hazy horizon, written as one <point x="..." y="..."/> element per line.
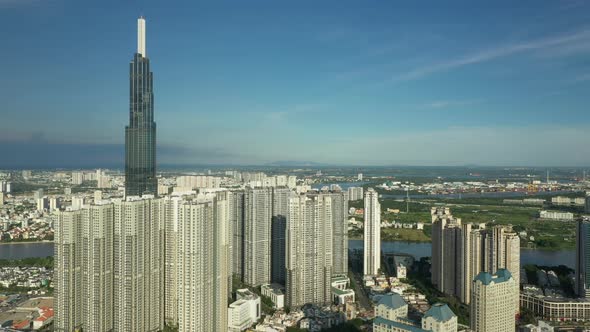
<point x="334" y="83"/>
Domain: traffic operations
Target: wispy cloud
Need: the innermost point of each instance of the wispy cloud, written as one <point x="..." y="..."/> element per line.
<point x="569" y="40"/>
<point x="451" y="103"/>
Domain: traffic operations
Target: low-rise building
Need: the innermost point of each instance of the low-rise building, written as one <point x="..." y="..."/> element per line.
<point x="556" y="308"/>
<point x="342" y="296"/>
<point x="401" y="271"/>
<point x="275" y="293"/>
<point x="391" y="315"/>
<point x="439" y="318"/>
<point x="244" y="312"/>
<point x="556" y="215"/>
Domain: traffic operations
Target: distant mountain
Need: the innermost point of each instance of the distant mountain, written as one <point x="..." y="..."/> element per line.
<point x="293" y="163"/>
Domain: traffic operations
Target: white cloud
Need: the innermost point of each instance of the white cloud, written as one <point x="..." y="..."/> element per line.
<point x="450" y="103"/>
<point x="569" y="41"/>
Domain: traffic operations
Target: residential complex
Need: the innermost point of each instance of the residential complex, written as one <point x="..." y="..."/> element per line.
<point x="372" y="233"/>
<point x="309" y="250"/>
<point x="138" y="264"/>
<point x="257" y="236"/>
<point x="280" y="210"/>
<point x="97" y="267"/>
<point x="355" y="193"/>
<point x="391" y="315"/>
<point x="203" y="268"/>
<point x="461" y="251"/>
<point x="445" y="250"/>
<point x="340" y="231"/>
<point x="68" y="271"/>
<point x="493" y="300"/>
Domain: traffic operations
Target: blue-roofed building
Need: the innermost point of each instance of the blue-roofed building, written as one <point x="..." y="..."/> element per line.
<point x="439" y="318"/>
<point x="385" y="325"/>
<point x="392" y="307"/>
<point x="493" y="299"/>
<point x="391" y="315"/>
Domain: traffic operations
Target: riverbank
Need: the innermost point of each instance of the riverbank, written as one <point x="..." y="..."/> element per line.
<point x="416" y="249"/>
<point x="25" y="242"/>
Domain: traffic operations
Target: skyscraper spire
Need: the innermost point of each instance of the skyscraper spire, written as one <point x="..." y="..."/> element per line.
<point x="141" y="36"/>
<point x="140" y="134"/>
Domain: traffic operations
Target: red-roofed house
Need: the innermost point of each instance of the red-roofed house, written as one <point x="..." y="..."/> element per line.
<point x="45" y="317"/>
<point x="25" y="324"/>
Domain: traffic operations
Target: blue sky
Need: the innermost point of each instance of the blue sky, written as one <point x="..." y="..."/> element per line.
<point x="335" y="82"/>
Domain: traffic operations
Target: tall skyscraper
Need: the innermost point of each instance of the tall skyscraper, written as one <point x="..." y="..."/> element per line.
<point x="372" y="232"/>
<point x="492" y="302"/>
<point x="309" y="250"/>
<point x="257" y="236"/>
<point x="444" y="249"/>
<point x="67" y="273"/>
<point x="582" y="277"/>
<point x="236" y="216"/>
<point x="138" y="264"/>
<point x="172" y="208"/>
<point x="140" y="134"/>
<point x="280" y="209"/>
<point x="465" y="266"/>
<point x="340" y="231"/>
<point x="97" y="267"/>
<point x="203" y="265"/>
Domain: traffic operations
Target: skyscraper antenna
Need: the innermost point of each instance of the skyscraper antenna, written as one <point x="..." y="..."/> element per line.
<point x="141" y="36"/>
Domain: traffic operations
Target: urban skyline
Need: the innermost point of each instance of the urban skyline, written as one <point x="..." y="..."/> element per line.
<point x="312" y="248"/>
<point x="513" y="83"/>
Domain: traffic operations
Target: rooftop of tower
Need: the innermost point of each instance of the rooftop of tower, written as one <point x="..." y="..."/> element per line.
<point x="502" y="275"/>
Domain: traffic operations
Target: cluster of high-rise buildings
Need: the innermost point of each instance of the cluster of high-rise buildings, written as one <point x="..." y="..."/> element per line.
<point x="101" y="178"/>
<point x="5" y="187"/>
<point x="143" y="262"/>
<point x="471" y="259"/>
<point x="138" y="263"/>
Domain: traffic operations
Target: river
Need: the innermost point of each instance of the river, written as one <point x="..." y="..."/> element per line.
<point x="416" y="249"/>
<point x="527" y="256"/>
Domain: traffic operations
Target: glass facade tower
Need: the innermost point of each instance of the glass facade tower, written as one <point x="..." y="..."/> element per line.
<point x="140" y="134"/>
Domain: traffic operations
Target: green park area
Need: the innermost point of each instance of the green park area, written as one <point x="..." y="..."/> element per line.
<point x="540" y="234"/>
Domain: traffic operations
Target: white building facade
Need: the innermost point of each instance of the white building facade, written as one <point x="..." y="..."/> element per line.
<point x="372" y="233"/>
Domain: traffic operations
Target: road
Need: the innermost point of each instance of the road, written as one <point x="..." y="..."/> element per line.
<point x="361" y="295"/>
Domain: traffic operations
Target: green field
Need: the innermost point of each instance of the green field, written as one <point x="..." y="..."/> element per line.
<point x="547" y="234"/>
<point x="403" y="234"/>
